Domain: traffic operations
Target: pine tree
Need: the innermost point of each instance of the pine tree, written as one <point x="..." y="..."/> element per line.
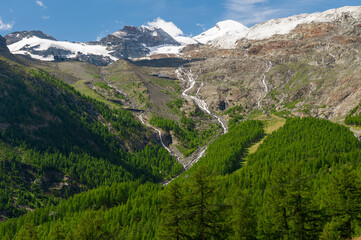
<point x="174" y="213"/>
<point x="205" y="215"/>
<point x="244" y="217"/>
<point x="304" y="220"/>
<point x="344" y="201"/>
<point x="292" y="214"/>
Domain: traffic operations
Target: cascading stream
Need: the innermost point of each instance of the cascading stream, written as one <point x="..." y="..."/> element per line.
<point x="268" y="68"/>
<point x="191" y="80"/>
<point x="160" y="137"/>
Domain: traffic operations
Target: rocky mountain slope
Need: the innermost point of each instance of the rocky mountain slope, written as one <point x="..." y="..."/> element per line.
<point x="133" y="42"/>
<point x="312" y="70"/>
<point x="18" y="36"/>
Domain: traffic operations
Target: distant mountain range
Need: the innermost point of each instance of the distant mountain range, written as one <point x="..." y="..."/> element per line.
<point x="160" y="37"/>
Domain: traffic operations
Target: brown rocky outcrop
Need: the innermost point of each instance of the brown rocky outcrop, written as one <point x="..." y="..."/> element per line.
<point x="315" y="71"/>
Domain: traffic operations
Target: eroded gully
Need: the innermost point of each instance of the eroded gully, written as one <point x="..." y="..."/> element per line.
<point x="268" y="68"/>
<point x="190" y="80"/>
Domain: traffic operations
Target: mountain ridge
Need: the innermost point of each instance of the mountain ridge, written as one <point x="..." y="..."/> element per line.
<point x="161" y="37"/>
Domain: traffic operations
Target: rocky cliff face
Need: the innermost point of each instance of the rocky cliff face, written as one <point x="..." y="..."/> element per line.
<point x="133" y="42"/>
<point x="313" y="70"/>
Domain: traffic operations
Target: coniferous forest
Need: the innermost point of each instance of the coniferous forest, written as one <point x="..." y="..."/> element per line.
<point x="307" y="189"/>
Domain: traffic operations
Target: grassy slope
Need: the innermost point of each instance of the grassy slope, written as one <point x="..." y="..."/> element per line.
<point x="272" y="123"/>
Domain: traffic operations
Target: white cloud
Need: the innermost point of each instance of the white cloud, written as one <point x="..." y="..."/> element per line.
<point x="46" y="17"/>
<point x="5" y="26"/>
<point x="250" y="11"/>
<point x="40" y="3"/>
<point x="168" y="27"/>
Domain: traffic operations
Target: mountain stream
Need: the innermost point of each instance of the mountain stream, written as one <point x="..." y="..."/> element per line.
<point x="268" y="68"/>
<point x="188" y="77"/>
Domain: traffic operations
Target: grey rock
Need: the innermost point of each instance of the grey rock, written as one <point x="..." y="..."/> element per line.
<point x="17" y="36"/>
<point x="133" y="42"/>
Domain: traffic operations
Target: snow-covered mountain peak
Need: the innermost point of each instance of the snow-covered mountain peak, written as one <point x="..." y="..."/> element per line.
<point x="231" y="26"/>
<point x="225" y="34"/>
<point x="285" y="25"/>
<point x="222" y="29"/>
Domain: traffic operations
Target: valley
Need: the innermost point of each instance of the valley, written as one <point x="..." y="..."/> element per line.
<point x="236" y="133"/>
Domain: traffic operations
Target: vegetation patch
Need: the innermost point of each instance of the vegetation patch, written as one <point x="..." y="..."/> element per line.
<point x="102" y="85"/>
<point x="352" y="118"/>
<point x="190" y="139"/>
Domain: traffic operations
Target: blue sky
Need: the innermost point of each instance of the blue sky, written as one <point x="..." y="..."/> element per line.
<point x="86" y="20"/>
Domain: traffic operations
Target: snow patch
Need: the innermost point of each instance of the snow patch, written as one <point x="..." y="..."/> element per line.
<point x="285" y="25"/>
<point x="226" y="42"/>
<point x="42" y="58"/>
<point x="119" y="34"/>
<point x="165" y="49"/>
<point x="185" y="40"/>
<point x="44" y="44"/>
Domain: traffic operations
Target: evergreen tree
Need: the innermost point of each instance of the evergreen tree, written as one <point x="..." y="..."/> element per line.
<point x="344" y="202"/>
<point x="174" y="213"/>
<point x="244" y="218"/>
<point x="293" y="214"/>
<point x="206" y="214"/>
<point x="304" y="218"/>
<point x="91" y="226"/>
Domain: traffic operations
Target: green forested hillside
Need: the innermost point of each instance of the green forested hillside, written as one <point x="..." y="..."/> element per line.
<point x="294" y="179"/>
<point x="227" y="154"/>
<point x="302" y="183"/>
<point x="128" y="210"/>
<point x="56" y="142"/>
